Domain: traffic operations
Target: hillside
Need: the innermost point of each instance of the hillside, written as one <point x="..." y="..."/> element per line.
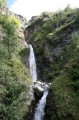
<point x="15" y="79"/>
<point x="55" y="39"/>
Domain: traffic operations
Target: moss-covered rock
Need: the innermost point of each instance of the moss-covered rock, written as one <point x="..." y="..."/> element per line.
<point x="49" y="39"/>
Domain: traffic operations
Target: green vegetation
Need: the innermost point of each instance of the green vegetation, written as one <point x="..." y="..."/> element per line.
<point x="67" y="100"/>
<point x="66" y="90"/>
<point x="66" y="86"/>
<point x="2" y="3"/>
<point x="10" y="39"/>
<point x="70" y="52"/>
<point x="55" y="24"/>
<point x="53" y="28"/>
<point x="56" y="43"/>
<point x="14" y="76"/>
<point x="58" y="30"/>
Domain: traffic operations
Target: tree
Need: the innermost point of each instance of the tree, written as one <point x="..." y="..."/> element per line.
<point x="10" y="26"/>
<point x="68" y="8"/>
<point x="10" y="39"/>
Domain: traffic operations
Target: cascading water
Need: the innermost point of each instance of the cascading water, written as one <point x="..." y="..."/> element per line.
<point x="32" y="64"/>
<point x="39" y="112"/>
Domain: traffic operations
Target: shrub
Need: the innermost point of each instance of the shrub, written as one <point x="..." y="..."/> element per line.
<point x="14" y="20"/>
<point x="74" y="72"/>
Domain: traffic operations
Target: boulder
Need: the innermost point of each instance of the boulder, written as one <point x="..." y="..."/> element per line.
<point x="39" y="88"/>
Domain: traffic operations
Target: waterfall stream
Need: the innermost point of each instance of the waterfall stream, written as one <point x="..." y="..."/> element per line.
<point x="39" y="110"/>
<point x="32" y="64"/>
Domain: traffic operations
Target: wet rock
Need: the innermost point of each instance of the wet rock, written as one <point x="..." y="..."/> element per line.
<point x="39" y="88"/>
<point x="38" y="92"/>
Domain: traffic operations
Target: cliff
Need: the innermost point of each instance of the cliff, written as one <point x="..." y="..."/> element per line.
<point x="55" y="39"/>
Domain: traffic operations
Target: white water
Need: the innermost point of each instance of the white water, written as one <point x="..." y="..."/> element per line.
<point x="39" y="112"/>
<point x="32" y="64"/>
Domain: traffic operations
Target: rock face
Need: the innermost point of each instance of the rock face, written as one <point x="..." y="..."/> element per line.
<point x="50" y="108"/>
<point x="51" y="39"/>
<point x="49" y="44"/>
<point x="39" y="88"/>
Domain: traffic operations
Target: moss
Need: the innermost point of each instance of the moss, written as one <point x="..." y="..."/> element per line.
<point x="54" y="24"/>
<point x="57" y="30"/>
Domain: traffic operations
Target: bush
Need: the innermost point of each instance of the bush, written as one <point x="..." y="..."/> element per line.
<point x="15" y="79"/>
<point x="74" y="72"/>
<point x="14" y="20"/>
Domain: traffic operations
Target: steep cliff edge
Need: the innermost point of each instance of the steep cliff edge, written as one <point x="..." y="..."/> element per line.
<point x="55" y="39"/>
<point x="49" y="36"/>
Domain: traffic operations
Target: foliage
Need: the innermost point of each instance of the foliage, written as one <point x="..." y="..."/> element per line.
<point x="68" y="8"/>
<point x="2" y="3"/>
<point x="16" y="80"/>
<point x="14" y="77"/>
<point x="66" y="85"/>
<point x="74" y="71"/>
<point x="66" y="99"/>
<point x="10" y="40"/>
<point x="14" y="20"/>
<point x="55" y="23"/>
<point x="58" y="30"/>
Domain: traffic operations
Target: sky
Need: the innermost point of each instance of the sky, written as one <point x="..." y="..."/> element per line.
<point x="29" y="8"/>
<point x="10" y="2"/>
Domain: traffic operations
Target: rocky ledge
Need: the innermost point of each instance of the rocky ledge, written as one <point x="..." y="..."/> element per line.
<point x="39" y="88"/>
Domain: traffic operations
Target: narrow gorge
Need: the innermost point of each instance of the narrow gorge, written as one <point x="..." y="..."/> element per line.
<point x="40" y="88"/>
<point x="55" y="41"/>
<point x="39" y="65"/>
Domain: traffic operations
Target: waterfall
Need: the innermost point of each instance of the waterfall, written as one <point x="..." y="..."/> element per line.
<point x="32" y="64"/>
<point x="39" y="111"/>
